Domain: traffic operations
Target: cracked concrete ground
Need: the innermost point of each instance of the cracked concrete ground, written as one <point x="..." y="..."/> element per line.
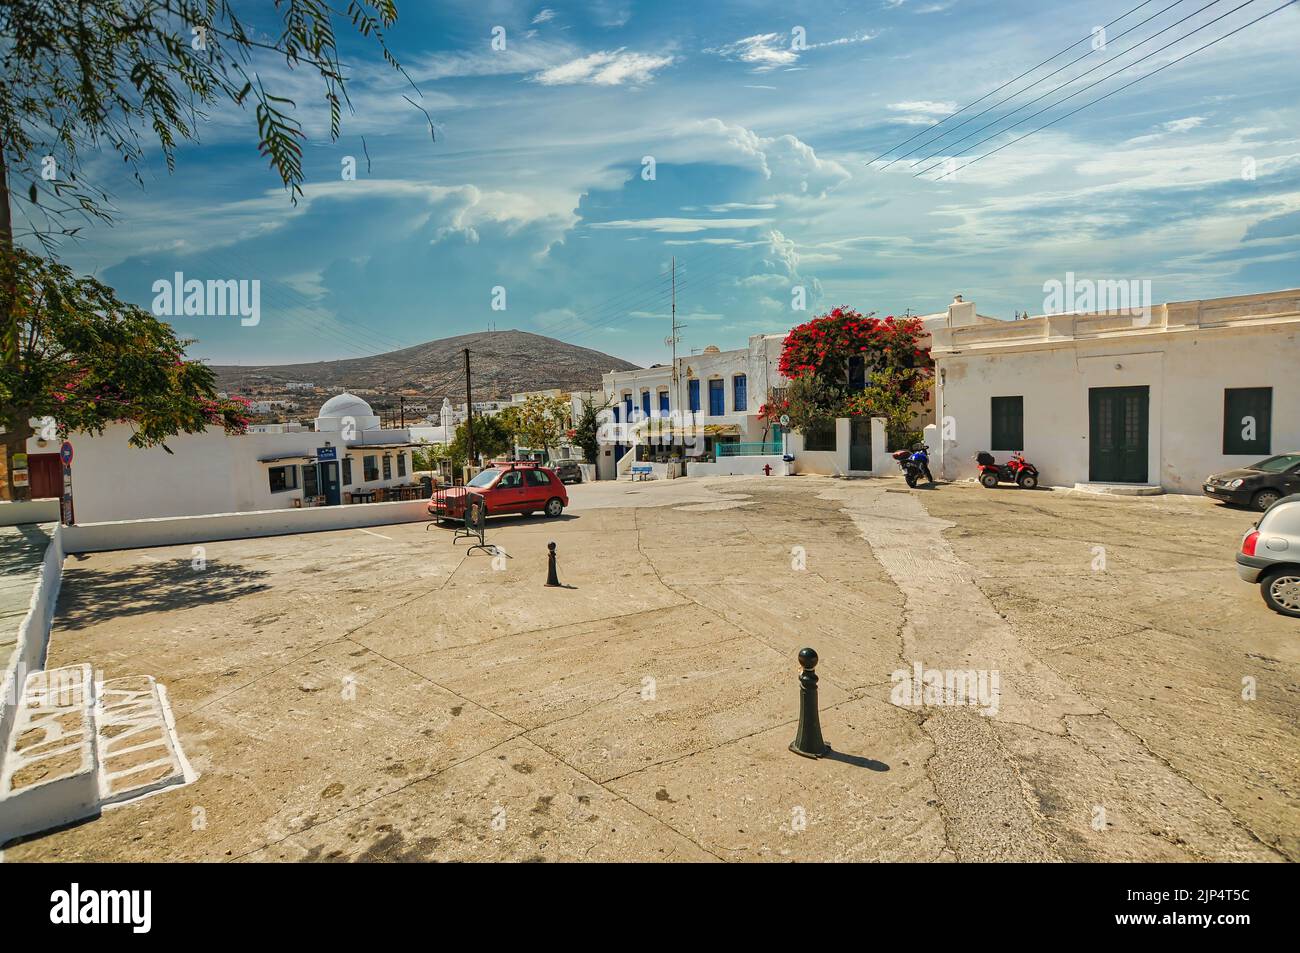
<point x="381" y="695"/>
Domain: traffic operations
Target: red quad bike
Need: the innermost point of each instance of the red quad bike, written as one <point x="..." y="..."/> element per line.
<point x="1015" y="470"/>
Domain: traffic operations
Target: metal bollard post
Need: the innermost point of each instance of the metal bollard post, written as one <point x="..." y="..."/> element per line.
<point x="552" y="579"/>
<point x="808" y="740"/>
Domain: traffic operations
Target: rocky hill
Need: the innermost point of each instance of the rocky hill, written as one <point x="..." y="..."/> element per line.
<point x="502" y="362"/>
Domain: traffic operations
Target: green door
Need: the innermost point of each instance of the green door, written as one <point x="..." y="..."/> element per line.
<point x="860" y="443"/>
<point x="1118" y="439"/>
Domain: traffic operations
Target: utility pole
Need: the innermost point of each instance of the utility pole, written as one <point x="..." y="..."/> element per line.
<point x="402" y="403"/>
<point x="672" y="340"/>
<point x="469" y="414"/>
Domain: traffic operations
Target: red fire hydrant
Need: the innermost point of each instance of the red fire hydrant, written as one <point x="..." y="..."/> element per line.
<point x="767" y="469"/>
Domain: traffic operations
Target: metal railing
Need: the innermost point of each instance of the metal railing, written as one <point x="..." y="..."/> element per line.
<point x="748" y="449"/>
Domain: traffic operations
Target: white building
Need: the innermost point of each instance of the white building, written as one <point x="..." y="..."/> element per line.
<point x="346" y="457"/>
<point x="716" y="394"/>
<point x="1160" y="398"/>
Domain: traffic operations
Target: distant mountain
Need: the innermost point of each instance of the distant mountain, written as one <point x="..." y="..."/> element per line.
<point x="502" y="363"/>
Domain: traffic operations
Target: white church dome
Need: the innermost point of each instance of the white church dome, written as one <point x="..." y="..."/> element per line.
<point x="346" y="413"/>
<point x="345" y="405"/>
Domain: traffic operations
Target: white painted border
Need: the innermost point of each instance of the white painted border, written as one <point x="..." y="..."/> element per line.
<point x="33" y="636"/>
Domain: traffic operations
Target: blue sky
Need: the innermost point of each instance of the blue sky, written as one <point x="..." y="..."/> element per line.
<point x="763" y="179"/>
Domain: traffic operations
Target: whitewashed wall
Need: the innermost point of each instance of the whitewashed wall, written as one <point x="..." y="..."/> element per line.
<point x="208" y="472"/>
<point x="1186" y="372"/>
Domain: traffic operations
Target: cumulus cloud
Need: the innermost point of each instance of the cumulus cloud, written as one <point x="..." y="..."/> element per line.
<point x="790" y="165"/>
<point x="605" y="68"/>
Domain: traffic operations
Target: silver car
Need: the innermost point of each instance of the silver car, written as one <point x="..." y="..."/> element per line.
<point x="1270" y="555"/>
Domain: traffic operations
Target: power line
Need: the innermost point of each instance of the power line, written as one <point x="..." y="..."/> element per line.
<point x="1049" y="76"/>
<point x="1002" y="87"/>
<point x="1057" y="89"/>
<point x="1126" y="85"/>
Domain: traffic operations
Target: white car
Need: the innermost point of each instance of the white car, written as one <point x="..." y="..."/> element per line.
<point x="1270" y="555"/>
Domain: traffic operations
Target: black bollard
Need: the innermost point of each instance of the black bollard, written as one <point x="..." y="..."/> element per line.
<point x="551" y="578"/>
<point x="808" y="740"/>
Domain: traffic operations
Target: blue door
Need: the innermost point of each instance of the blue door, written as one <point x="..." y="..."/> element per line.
<point x="695" y="396"/>
<point x="645" y="403"/>
<point x="717" y="399"/>
<point x="329" y="482"/>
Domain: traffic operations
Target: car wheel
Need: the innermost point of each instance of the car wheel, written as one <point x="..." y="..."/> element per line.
<point x="1281" y="591"/>
<point x="1027" y="481"/>
<point x="554" y="507"/>
<point x="1264" y="499"/>
<point x="990" y="480"/>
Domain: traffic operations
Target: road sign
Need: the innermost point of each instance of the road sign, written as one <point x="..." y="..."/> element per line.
<point x="785" y="420"/>
<point x="65" y="451"/>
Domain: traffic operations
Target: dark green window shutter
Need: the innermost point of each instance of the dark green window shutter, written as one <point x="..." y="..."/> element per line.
<point x="1008" y="423"/>
<point x="1248" y="420"/>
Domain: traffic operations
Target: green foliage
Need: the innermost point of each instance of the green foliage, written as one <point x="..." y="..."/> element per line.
<point x="812" y="400"/>
<point x="817" y="357"/>
<point x="585" y="434"/>
<point x="111" y="74"/>
<point x="893" y="394"/>
<point x="428" y="455"/>
<point x="491" y="439"/>
<point x="87" y="360"/>
<point x="541" y="422"/>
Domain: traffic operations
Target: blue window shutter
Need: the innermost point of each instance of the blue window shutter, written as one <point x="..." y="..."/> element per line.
<point x="741" y="395"/>
<point x="663" y="402"/>
<point x="645" y="402"/>
<point x="717" y="399"/>
<point x="695" y="396"/>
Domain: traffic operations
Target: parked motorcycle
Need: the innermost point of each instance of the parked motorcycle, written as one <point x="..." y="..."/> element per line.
<point x="1016" y="470"/>
<point x="915" y="463"/>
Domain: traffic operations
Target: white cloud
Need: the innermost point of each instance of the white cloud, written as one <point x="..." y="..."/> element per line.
<point x="922" y="106"/>
<point x="680" y="225"/>
<point x="768" y="51"/>
<point x="545" y="15"/>
<point x="764" y="51"/>
<point x="605" y="68"/>
<point x="790" y="165"/>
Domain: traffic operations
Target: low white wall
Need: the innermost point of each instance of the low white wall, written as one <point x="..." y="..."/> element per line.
<point x="29" y="511"/>
<point x="736" y="466"/>
<point x="33" y="636"/>
<point x="836" y="462"/>
<point x="172" y="531"/>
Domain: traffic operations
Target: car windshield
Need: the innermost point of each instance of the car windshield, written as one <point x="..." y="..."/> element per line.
<point x="1284" y="461"/>
<point x="485" y="478"/>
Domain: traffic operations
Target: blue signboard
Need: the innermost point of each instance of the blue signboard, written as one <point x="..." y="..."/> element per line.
<point x="326" y="454"/>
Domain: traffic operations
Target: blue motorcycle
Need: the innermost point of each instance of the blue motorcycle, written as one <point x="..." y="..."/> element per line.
<point x="915" y="463"/>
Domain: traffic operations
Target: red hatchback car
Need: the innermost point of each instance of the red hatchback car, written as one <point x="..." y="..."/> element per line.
<point x="507" y="488"/>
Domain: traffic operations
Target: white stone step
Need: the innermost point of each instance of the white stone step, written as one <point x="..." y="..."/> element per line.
<point x="136" y="749"/>
<point x="50" y="775"/>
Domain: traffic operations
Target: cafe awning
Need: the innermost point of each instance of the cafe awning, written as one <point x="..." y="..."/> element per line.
<point x="292" y="458"/>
